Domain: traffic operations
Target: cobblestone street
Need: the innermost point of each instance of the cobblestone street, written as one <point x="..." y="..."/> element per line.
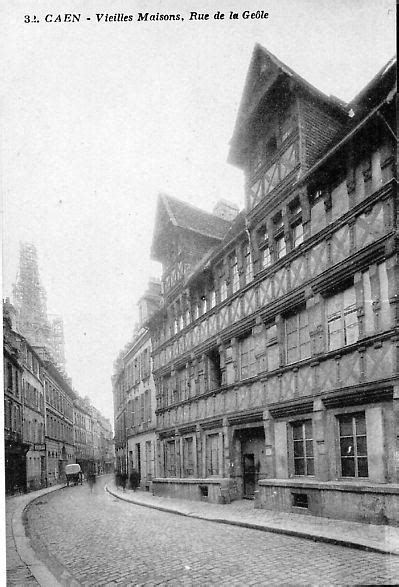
<point x="96" y="539"/>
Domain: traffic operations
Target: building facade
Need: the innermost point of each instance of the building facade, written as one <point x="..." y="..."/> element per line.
<point x="15" y="448"/>
<point x="34" y="416"/>
<point x="46" y="423"/>
<point x="83" y="437"/>
<point x="134" y="397"/>
<point x="275" y="352"/>
<point x="140" y="420"/>
<point x="60" y="442"/>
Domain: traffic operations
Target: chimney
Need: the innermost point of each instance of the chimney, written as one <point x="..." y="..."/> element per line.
<point x="226" y="210"/>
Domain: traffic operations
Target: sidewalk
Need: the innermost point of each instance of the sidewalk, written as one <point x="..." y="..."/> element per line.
<point x="22" y="565"/>
<point x="371" y="537"/>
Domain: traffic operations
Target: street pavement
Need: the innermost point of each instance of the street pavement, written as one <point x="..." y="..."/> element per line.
<point x="96" y="538"/>
<point x="380" y="538"/>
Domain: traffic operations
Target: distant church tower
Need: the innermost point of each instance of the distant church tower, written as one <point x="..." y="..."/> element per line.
<point x="29" y="298"/>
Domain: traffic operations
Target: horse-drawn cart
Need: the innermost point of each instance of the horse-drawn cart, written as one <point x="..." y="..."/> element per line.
<point x="73" y="474"/>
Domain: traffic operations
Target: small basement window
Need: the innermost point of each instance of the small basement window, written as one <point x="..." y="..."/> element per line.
<point x="203" y="491"/>
<point x="300" y="500"/>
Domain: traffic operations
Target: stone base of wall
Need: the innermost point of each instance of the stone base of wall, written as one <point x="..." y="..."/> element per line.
<point x="360" y="502"/>
<point x="213" y="490"/>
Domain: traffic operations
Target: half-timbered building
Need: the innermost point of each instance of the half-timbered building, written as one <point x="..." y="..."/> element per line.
<point x="275" y="352"/>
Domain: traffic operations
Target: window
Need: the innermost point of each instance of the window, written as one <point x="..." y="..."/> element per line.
<point x="248" y="272"/>
<point x="302" y="434"/>
<point x="181" y="381"/>
<point x="212" y="454"/>
<point x="297" y="337"/>
<point x="7" y="414"/>
<point x="342" y="324"/>
<point x="148" y="459"/>
<point x="247" y="357"/>
<point x="297" y="234"/>
<point x="9" y="377"/>
<point x="257" y="155"/>
<point x="281" y="248"/>
<point x="235" y="280"/>
<point x="170" y="458"/>
<point x="272" y="349"/>
<point x="288" y="125"/>
<point x="279" y="237"/>
<point x="265" y="257"/>
<point x="222" y="283"/>
<point x="188" y="456"/>
<point x="136" y="411"/>
<point x="202" y="304"/>
<point x="212" y="298"/>
<point x="215" y="373"/>
<point x="353" y="445"/>
<point x="148" y="405"/>
<point x="296" y="224"/>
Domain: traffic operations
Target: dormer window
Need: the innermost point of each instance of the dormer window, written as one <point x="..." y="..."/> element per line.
<point x="288" y="124"/>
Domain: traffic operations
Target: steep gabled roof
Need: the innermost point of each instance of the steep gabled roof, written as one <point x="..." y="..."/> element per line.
<point x="368" y="103"/>
<point x="376" y="89"/>
<point x="264" y="71"/>
<point x="192" y="218"/>
<point x="188" y="217"/>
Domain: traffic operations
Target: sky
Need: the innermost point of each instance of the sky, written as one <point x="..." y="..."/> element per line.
<point x="98" y="118"/>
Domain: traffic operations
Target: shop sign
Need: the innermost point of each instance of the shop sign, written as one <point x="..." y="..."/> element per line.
<point x="39" y="447"/>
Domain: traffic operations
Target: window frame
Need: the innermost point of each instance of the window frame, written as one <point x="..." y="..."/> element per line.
<point x="299" y="342"/>
<point x="351" y="416"/>
<point x="251" y="363"/>
<point x="303" y="440"/>
<point x="343" y="317"/>
<point x="212" y="464"/>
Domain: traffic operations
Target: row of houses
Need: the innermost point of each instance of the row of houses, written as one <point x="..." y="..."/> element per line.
<point x="47" y="425"/>
<point x="274" y="355"/>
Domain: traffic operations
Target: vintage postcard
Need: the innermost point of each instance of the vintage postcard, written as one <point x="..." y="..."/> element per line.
<point x="200" y="292"/>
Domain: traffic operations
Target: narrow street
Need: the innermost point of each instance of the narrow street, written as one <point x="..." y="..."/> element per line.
<point x="96" y="539"/>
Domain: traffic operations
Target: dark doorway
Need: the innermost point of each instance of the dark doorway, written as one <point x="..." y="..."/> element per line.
<point x="249" y="474"/>
<point x="43" y="471"/>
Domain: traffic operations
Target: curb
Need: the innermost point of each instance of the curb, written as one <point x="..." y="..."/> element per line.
<point x="263" y="528"/>
<point x="22" y="543"/>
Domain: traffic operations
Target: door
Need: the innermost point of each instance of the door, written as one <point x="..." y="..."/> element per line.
<point x="249" y="471"/>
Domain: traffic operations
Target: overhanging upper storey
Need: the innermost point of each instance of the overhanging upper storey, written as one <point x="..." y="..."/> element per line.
<point x="282" y="126"/>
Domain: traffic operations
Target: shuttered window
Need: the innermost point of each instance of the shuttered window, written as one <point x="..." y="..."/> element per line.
<point x="297" y="337"/>
<point x="342" y="322"/>
<point x="247" y="357"/>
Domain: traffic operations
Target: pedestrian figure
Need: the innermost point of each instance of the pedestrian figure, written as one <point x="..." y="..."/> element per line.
<point x="91" y="479"/>
<point x="123" y="480"/>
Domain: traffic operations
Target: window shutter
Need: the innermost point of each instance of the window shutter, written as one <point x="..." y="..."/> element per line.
<point x="280" y="438"/>
<point x="375" y="444"/>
